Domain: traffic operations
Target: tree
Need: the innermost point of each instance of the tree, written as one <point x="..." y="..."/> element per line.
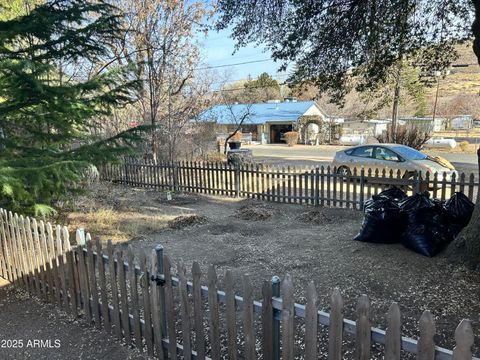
<point x="159" y="42"/>
<point x="340" y="46"/>
<point x="407" y="90"/>
<point x="262" y="89"/>
<point x="47" y="140"/>
<point x="236" y="90"/>
<point x="411" y="135"/>
<point x="181" y="109"/>
<point x="237" y="116"/>
<point x="12" y="8"/>
<point x="250" y="91"/>
<point x="334" y="42"/>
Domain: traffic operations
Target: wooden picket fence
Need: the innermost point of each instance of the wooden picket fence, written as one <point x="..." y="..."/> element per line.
<point x="139" y="301"/>
<point x="320" y="186"/>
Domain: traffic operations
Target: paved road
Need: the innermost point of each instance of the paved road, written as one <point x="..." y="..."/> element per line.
<point x="303" y="155"/>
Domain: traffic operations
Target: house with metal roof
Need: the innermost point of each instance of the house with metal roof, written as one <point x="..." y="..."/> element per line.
<point x="267" y="122"/>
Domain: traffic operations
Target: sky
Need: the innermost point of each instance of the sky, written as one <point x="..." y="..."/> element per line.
<point x="217" y="51"/>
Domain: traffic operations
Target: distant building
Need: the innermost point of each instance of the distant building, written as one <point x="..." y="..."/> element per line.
<point x="267" y="121"/>
<point x="426" y="123"/>
<point x="366" y="128"/>
<point x="462" y="122"/>
<point x="375" y="127"/>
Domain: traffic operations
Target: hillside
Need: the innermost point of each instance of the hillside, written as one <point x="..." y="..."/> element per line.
<point x="464" y="80"/>
<point x="459" y="91"/>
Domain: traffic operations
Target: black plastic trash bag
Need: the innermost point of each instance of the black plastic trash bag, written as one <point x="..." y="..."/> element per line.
<point x="427" y="231"/>
<point x="394" y="193"/>
<point x="416" y="202"/>
<point x="383" y="221"/>
<point x="460" y="210"/>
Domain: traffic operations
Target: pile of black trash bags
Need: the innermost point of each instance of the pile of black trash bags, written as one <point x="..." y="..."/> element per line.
<point x="420" y="223"/>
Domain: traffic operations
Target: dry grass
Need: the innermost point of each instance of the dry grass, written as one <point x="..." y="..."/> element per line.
<point x="117" y="225"/>
<point x="117" y="213"/>
<point x="465" y="148"/>
<point x="464" y="145"/>
<point x="472" y="133"/>
<point x="213" y="157"/>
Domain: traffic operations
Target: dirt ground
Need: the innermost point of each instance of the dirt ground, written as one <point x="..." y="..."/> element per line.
<point x="25" y="321"/>
<point x="261" y="239"/>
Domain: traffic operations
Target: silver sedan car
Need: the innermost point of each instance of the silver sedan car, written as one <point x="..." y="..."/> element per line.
<point x="390" y="157"/>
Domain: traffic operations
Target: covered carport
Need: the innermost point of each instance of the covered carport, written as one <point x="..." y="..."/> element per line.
<point x="276" y="132"/>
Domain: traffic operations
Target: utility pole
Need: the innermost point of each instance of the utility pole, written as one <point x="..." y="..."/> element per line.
<point x="438" y="74"/>
<point x="396" y="100"/>
<point x="436" y="100"/>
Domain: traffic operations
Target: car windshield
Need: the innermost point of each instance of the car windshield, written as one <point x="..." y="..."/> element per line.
<point x="409" y="153"/>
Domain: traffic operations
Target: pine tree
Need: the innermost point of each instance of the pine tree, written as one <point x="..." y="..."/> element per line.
<point x="47" y="120"/>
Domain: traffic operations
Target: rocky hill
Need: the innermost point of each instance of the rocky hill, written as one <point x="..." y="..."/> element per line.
<point x="462" y="80"/>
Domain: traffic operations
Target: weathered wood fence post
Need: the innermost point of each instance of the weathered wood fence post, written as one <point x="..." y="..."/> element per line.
<point x="159" y="251"/>
<point x="276" y="321"/>
<point x="125" y="169"/>
<point x="417" y="182"/>
<point x="176" y="182"/>
<point x="160" y="274"/>
<point x="317" y="187"/>
<point x="237" y="180"/>
<point x="362" y="188"/>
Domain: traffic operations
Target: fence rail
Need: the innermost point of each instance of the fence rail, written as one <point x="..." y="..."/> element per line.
<point x="318" y="186"/>
<point x="139" y="300"/>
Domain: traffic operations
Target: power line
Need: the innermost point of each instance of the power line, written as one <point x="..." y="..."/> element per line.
<point x="240" y="57"/>
<point x="234" y="64"/>
<point x="217" y="38"/>
<point x="243" y="88"/>
<point x="276" y="77"/>
<point x="462" y="65"/>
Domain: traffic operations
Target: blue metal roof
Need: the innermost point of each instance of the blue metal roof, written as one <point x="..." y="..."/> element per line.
<point x="257" y="113"/>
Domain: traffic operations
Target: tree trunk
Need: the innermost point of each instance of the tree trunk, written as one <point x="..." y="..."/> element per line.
<point x="396" y="99"/>
<point x="466" y="247"/>
<point x="154" y="141"/>
<point x="476" y="29"/>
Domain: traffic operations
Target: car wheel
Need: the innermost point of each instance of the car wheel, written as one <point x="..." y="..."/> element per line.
<point x="410" y="176"/>
<point x="344" y="173"/>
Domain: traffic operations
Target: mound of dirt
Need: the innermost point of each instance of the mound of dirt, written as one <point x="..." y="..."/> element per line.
<point x="255" y="212"/>
<point x="314" y="216"/>
<point x="184" y="221"/>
